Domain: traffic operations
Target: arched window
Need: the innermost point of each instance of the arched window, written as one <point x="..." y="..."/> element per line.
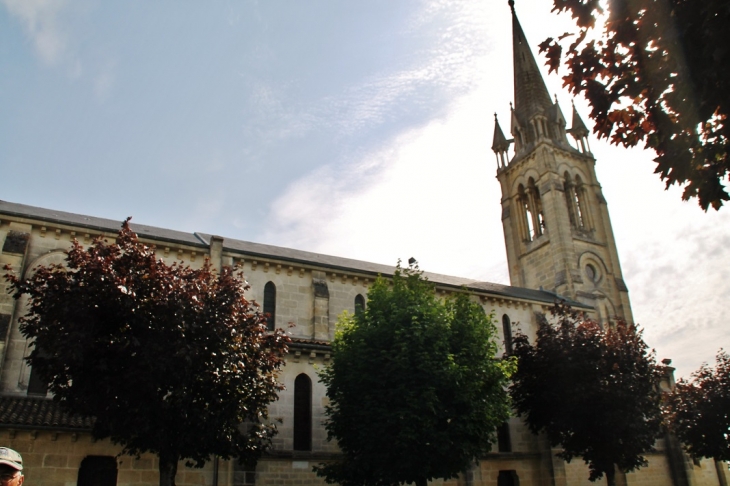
<point x="270" y="305"/>
<point x="538" y="219"/>
<point x="524" y="214"/>
<point x="97" y="471"/>
<point x="507" y="331"/>
<point x="581" y="197"/>
<point x="569" y="190"/>
<point x="302" y="413"/>
<point x="531" y="217"/>
<point x="578" y="194"/>
<point x="359" y="304"/>
<point x="575" y="198"/>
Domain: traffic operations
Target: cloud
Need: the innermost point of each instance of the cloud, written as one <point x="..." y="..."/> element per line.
<point x="40" y="21"/>
<point x="682" y="288"/>
<point x="427" y="194"/>
<point x="448" y="61"/>
<point x="430" y="192"/>
<point x="52" y="38"/>
<point x="675" y="259"/>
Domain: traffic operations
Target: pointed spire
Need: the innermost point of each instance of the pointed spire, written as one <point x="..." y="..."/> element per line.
<point x="577" y="127"/>
<point x="499" y="141"/>
<point x="556" y="114"/>
<point x="531" y="95"/>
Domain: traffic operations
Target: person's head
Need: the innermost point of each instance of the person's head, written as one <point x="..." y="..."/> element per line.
<point x="11" y="468"/>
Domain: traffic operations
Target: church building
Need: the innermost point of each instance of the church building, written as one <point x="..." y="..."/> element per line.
<point x="559" y="243"/>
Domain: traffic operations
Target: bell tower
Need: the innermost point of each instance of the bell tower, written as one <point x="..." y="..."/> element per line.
<point x="556" y="224"/>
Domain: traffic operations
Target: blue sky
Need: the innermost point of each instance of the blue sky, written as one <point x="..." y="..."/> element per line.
<point x="353" y="128"/>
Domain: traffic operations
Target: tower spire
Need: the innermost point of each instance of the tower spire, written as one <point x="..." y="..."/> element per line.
<point x="531" y="95"/>
<point x="556" y="225"/>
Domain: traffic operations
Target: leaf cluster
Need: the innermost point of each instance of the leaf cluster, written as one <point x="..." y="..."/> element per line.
<point x="414" y="387"/>
<point x="659" y="73"/>
<point x="698" y="410"/>
<point x="594" y="391"/>
<point x="168" y="359"/>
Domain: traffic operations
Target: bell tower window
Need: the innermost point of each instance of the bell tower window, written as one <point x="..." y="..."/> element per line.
<point x="538" y="218"/>
<point x="575" y="198"/>
<point x="578" y="194"/>
<point x="525" y="217"/>
<point x="531" y="219"/>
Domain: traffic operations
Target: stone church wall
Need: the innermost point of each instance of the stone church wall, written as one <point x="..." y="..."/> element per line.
<point x="54" y="458"/>
<point x="310" y="297"/>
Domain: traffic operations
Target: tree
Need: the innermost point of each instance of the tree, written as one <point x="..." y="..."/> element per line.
<point x="414" y="387"/>
<point x="168" y="359"/>
<point x="698" y="411"/>
<point x="593" y="391"/>
<point x="659" y="73"/>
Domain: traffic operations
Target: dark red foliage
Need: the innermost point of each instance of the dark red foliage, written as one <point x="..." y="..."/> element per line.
<point x="593" y="391"/>
<point x="168" y="359"/>
<point x="658" y="74"/>
<point x="698" y="411"/>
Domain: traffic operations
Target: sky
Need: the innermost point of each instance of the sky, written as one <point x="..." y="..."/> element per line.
<point x="353" y="128"/>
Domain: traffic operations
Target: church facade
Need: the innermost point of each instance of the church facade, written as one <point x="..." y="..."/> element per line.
<point x="559" y="243"/>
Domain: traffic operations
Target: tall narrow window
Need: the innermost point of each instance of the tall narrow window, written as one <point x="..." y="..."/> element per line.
<point x="359" y="304"/>
<point x="525" y="217"/>
<point x="507" y="331"/>
<point x="504" y="441"/>
<point x="538" y="218"/>
<point x="36" y="384"/>
<point x="569" y="191"/>
<point x="579" y="204"/>
<point x="302" y="413"/>
<point x="270" y="305"/>
<point x="581" y="198"/>
<point x="575" y="197"/>
<point x="97" y="471"/>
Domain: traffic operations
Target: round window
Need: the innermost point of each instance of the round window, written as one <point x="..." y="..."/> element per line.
<point x="591" y="273"/>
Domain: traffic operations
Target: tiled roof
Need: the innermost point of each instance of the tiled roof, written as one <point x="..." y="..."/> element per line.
<point x="98" y="224"/>
<point x="29" y="412"/>
<point x="312" y="342"/>
<point x="275" y="252"/>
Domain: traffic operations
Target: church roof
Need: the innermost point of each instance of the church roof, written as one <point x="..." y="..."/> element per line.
<point x="29" y="412"/>
<point x="264" y="251"/>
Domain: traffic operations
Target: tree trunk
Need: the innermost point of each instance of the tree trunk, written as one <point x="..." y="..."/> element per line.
<point x="421" y="482"/>
<point x="610" y="477"/>
<point x="720" y="469"/>
<point x="168" y="468"/>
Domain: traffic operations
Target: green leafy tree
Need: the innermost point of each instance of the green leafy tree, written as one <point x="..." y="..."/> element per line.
<point x="593" y="391"/>
<point x="658" y="73"/>
<point x="168" y="359"/>
<point x="415" y="390"/>
<point x="698" y="411"/>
